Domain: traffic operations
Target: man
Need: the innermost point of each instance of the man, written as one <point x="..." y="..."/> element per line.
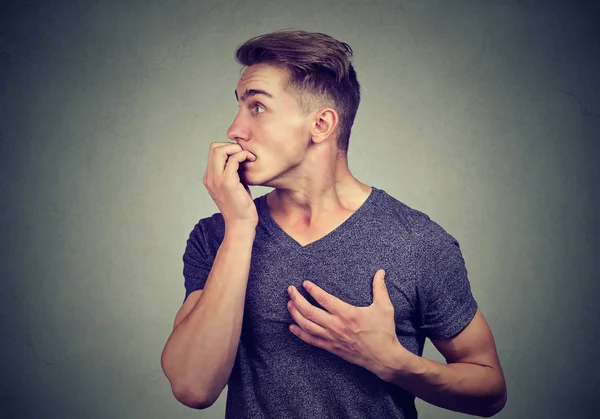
<point x="308" y="255"/>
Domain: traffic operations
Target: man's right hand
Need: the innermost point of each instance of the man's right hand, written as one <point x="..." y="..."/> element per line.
<point x="223" y="183"/>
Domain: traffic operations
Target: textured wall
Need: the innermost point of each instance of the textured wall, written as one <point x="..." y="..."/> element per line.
<point x="483" y="114"/>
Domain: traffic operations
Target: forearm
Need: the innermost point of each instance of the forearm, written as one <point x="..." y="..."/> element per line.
<point x="467" y="388"/>
<point x="200" y="353"/>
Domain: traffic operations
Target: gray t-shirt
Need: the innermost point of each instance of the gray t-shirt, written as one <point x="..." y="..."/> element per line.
<point x="276" y="374"/>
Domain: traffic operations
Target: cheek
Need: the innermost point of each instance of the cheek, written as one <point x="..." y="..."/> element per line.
<point x="283" y="139"/>
<point x="283" y="135"/>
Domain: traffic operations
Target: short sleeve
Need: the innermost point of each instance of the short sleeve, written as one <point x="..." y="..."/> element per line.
<point x="197" y="260"/>
<point x="447" y="304"/>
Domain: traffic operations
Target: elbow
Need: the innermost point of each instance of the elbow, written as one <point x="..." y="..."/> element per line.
<point x="497" y="398"/>
<point x="192" y="399"/>
<point x="186" y="394"/>
<point x="497" y="406"/>
<point x="190" y="395"/>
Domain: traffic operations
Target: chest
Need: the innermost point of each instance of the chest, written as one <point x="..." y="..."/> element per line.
<point x="304" y="235"/>
<point x="345" y="271"/>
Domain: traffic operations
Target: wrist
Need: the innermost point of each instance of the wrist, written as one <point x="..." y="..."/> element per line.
<point x="240" y="230"/>
<point x="402" y="366"/>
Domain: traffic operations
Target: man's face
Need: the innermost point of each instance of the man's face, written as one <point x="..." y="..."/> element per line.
<point x="270" y="125"/>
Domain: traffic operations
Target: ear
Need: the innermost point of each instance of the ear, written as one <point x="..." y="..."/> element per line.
<point x="325" y="121"/>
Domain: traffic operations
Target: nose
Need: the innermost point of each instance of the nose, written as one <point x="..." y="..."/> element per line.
<point x="238" y="130"/>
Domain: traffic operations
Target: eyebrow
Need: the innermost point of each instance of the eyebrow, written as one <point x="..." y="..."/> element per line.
<point x="252" y="92"/>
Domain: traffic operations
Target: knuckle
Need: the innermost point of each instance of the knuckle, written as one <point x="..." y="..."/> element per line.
<point x="234" y="158"/>
<point x="352" y="319"/>
<point x="214" y="147"/>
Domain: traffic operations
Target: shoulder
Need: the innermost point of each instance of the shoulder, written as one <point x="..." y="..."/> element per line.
<point x="207" y="234"/>
<point x="430" y="246"/>
<point x="211" y="224"/>
<point x="422" y="229"/>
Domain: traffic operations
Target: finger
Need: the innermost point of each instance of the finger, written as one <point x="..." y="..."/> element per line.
<point x="313" y="340"/>
<point x="233" y="162"/>
<point x="381" y="293"/>
<point x="330" y="302"/>
<point x="218" y="154"/>
<point x="310" y="312"/>
<point x="308" y="326"/>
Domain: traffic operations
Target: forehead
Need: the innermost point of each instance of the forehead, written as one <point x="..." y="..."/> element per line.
<point x="262" y="76"/>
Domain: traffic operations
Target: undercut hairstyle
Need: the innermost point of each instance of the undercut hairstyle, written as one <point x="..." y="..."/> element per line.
<point x="319" y="70"/>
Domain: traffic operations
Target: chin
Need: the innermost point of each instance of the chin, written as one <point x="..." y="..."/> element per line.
<point x="248" y="180"/>
<point x="254" y="181"/>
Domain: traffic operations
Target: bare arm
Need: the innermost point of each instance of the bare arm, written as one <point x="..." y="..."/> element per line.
<point x="199" y="355"/>
<point x="471" y="382"/>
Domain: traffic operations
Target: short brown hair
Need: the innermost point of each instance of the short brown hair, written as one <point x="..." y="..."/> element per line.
<point x="319" y="72"/>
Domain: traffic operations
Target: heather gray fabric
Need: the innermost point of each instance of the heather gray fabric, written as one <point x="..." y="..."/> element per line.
<point x="277" y="375"/>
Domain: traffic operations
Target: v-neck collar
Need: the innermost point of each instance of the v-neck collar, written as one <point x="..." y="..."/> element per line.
<point x="285" y="239"/>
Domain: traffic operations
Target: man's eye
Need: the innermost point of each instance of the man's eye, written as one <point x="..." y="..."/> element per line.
<point x="256" y="105"/>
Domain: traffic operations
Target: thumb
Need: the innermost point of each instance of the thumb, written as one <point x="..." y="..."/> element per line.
<point x="247" y="188"/>
<point x="379" y="287"/>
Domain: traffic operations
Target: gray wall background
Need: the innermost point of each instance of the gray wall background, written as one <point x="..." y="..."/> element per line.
<point x="483" y="114"/>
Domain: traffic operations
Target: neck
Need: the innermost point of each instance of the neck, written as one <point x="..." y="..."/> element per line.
<point x="311" y="201"/>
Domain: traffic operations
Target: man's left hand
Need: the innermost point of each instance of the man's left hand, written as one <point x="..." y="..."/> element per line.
<point x="364" y="336"/>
